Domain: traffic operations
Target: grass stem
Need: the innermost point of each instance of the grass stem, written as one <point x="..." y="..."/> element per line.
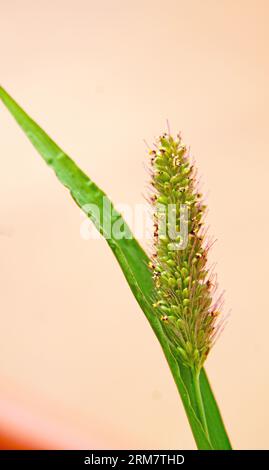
<point x="199" y="400"/>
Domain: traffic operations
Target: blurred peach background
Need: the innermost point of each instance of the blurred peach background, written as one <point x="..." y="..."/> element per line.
<point x="80" y="367"/>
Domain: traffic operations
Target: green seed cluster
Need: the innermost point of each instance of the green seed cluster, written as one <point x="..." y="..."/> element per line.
<point x="183" y="283"/>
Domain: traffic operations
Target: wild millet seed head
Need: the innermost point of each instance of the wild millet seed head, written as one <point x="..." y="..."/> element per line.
<point x="185" y="286"/>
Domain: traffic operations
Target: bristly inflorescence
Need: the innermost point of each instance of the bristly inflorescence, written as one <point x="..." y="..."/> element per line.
<point x="185" y="286"/>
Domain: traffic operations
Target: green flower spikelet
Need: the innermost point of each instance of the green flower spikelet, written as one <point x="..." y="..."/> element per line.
<point x="184" y="285"/>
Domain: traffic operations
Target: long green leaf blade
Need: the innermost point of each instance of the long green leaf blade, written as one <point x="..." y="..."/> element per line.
<point x="134" y="264"/>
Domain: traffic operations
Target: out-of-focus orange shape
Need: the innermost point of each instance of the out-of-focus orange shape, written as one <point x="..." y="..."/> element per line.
<point x="22" y="428"/>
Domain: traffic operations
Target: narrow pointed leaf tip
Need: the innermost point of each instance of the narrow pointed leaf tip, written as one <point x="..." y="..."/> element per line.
<point x="185" y="285"/>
